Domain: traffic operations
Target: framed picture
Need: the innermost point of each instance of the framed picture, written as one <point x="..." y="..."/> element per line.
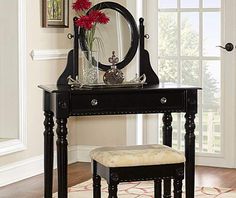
<point x="55" y="13"/>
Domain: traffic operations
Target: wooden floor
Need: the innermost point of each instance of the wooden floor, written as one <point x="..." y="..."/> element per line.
<point x="79" y="172"/>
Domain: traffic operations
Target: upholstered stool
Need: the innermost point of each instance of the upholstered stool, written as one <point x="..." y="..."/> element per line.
<point x="137" y="163"/>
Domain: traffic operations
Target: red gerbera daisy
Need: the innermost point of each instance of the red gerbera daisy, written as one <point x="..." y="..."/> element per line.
<point x="98" y="17"/>
<point x="94" y="14"/>
<point x="81" y="5"/>
<point x="85" y="21"/>
<point x="103" y="18"/>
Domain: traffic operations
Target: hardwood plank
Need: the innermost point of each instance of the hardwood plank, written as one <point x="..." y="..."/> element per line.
<point x="217" y="177"/>
<point x="33" y="187"/>
<point x="79" y="172"/>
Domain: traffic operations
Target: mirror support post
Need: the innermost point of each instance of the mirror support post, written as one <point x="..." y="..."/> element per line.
<point x="72" y="59"/>
<point x="144" y="60"/>
<point x="76" y="50"/>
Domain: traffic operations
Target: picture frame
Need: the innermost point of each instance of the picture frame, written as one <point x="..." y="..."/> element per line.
<point x="55" y="13"/>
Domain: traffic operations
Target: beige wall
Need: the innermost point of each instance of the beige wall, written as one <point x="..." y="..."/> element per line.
<point x="103" y="130"/>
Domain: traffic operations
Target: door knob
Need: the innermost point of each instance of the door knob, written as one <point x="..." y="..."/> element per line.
<point x="228" y="47"/>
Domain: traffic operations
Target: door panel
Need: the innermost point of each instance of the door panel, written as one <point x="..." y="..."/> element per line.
<point x="187" y="35"/>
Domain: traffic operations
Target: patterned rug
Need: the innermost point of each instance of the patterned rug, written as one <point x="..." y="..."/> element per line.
<point x="143" y="190"/>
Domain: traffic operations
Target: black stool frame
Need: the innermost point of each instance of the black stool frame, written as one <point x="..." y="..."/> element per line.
<point x="115" y="175"/>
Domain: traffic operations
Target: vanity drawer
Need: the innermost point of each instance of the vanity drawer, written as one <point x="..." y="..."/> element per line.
<point x="114" y="103"/>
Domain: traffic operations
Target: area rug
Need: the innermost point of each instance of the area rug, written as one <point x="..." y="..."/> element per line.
<point x="143" y="190"/>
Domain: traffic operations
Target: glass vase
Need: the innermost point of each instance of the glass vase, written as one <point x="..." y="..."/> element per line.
<point x="88" y="67"/>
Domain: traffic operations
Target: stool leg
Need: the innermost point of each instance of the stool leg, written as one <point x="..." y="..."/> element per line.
<point x="157" y="188"/>
<point x="112" y="188"/>
<point x="177" y="188"/>
<point x="167" y="188"/>
<point x="96" y="186"/>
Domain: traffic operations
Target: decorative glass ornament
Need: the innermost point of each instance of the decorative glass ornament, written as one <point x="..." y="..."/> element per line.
<point x="113" y="75"/>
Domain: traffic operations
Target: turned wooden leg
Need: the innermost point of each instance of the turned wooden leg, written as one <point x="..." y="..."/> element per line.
<point x="96" y="186"/>
<point x="177" y="188"/>
<point x="167" y="188"/>
<point x="167" y="129"/>
<point x="112" y="188"/>
<point x="96" y="181"/>
<point x="62" y="157"/>
<point x="190" y="154"/>
<point x="157" y="188"/>
<point x="167" y="140"/>
<point x="178" y="182"/>
<point x="48" y="154"/>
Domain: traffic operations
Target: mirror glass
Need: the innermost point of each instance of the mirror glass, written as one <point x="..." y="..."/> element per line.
<point x="9" y="81"/>
<point x="114" y="36"/>
<point x="12" y="77"/>
<point x="120" y="35"/>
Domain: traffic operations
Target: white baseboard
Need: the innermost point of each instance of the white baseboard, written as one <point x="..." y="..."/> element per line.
<point x="30" y="167"/>
<point x="81" y="152"/>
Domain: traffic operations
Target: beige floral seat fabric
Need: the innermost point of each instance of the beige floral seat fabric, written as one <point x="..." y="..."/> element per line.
<point x="141" y="155"/>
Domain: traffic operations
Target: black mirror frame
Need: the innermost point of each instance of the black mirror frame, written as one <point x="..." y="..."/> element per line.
<point x="134" y="33"/>
<point x="138" y="38"/>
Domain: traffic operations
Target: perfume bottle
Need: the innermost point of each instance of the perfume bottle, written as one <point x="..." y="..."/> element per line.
<point x="113" y="75"/>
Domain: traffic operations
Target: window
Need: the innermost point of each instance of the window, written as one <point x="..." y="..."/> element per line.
<point x="188" y="32"/>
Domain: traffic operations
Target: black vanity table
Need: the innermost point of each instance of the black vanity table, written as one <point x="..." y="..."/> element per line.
<point x="63" y="101"/>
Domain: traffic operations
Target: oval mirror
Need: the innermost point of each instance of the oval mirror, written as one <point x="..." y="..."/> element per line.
<point x="119" y="35"/>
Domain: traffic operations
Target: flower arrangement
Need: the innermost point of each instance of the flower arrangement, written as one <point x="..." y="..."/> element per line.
<point x="88" y="20"/>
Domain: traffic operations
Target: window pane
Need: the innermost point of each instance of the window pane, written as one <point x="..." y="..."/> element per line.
<point x="211" y="33"/>
<point x="211" y="4"/>
<point x="168" y="70"/>
<point x="167" y="34"/>
<point x="211" y="107"/>
<point x="189" y="3"/>
<point x="191" y="72"/>
<point x="197" y="135"/>
<point x="167" y="4"/>
<point x="190" y="34"/>
<point x="175" y="130"/>
<point x="211" y="138"/>
<point x="211" y="83"/>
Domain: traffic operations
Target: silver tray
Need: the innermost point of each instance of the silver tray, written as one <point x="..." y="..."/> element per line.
<point x="136" y="82"/>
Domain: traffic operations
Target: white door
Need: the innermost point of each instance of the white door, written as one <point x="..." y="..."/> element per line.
<point x="183" y="39"/>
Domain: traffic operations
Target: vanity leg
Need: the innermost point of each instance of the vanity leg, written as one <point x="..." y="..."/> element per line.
<point x="48" y="154"/>
<point x="62" y="157"/>
<point x="157" y="188"/>
<point x="112" y="190"/>
<point x="167" y="140"/>
<point x="190" y="154"/>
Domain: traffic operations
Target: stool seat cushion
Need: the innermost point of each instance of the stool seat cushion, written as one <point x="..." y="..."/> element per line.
<point x="140" y="155"/>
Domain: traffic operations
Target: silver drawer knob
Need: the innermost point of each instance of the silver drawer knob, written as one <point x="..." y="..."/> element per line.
<point x="163" y="100"/>
<point x="94" y="102"/>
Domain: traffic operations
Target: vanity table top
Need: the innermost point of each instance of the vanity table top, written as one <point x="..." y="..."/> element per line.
<point x="161" y="86"/>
